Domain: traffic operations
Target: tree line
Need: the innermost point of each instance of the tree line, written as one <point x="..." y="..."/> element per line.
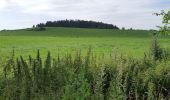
<point x="77" y="24"/>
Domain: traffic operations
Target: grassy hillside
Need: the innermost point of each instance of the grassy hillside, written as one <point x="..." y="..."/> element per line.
<point x="77" y="32"/>
<point x="62" y="40"/>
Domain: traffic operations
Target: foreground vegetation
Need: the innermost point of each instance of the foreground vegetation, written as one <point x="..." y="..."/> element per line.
<point x="85" y="78"/>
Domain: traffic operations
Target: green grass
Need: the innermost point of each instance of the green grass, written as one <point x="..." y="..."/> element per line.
<point x="115" y="77"/>
<point x="63" y="40"/>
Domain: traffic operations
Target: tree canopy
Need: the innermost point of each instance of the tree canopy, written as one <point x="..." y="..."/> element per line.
<point x="78" y="24"/>
<point x="165" y="29"/>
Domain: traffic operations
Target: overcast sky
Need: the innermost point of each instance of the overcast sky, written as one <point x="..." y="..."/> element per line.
<point x="123" y="13"/>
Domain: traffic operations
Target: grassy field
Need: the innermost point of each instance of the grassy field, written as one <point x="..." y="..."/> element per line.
<point x="63" y="40"/>
<point x="53" y="76"/>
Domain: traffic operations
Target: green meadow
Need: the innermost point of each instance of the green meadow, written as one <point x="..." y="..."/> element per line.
<point x="123" y="65"/>
<point x="70" y="40"/>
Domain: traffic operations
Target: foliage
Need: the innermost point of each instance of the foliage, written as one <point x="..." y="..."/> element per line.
<point x="78" y="24"/>
<point x="38" y="28"/>
<point x="166" y="22"/>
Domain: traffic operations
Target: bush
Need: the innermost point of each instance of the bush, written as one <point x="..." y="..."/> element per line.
<point x="39" y="29"/>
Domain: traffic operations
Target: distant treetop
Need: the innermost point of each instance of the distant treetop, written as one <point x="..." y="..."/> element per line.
<point x="78" y="24"/>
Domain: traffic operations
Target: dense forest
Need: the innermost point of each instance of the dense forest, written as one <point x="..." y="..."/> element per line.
<point x="77" y="24"/>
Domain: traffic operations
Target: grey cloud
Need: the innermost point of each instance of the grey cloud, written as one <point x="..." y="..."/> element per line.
<point x="119" y="12"/>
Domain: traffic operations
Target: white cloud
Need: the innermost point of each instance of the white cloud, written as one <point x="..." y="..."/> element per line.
<point x="128" y="13"/>
<point x="3" y="4"/>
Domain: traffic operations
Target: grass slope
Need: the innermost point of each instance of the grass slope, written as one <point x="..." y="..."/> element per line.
<point x="62" y="40"/>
